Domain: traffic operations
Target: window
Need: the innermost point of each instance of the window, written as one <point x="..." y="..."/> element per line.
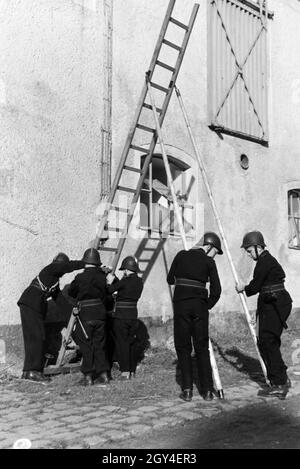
<point x="156" y="206"/>
<point x="237" y="69"/>
<point x="294" y="218"/>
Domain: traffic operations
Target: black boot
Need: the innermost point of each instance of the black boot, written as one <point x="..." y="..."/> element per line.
<point x="35" y="376"/>
<point x="186" y="395"/>
<point x="88" y="380"/>
<point x="102" y="379"/>
<point x="208" y="395"/>
<point x="278" y="390"/>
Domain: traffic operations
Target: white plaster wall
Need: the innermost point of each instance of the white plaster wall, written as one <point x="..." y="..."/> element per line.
<point x="50" y="102"/>
<point x="247" y="200"/>
<point x="50" y="121"/>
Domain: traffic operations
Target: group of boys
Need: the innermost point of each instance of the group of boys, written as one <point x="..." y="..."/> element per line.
<point x="190" y="272"/>
<point x="92" y="290"/>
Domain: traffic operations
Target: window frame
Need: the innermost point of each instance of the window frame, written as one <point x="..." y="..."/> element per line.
<point x="291" y="216"/>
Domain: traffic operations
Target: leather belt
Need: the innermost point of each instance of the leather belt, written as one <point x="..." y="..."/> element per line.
<point x="273" y="288"/>
<point x="37" y="283"/>
<point x="126" y="304"/>
<point x="88" y="303"/>
<point x="187" y="282"/>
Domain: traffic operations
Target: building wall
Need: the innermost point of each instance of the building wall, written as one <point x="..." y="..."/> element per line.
<point x="246" y="199"/>
<point x="50" y="136"/>
<point x="51" y="119"/>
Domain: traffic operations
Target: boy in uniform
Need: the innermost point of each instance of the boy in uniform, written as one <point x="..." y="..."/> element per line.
<point x="33" y="309"/>
<point x="89" y="289"/>
<point x="129" y="290"/>
<point x="274" y="305"/>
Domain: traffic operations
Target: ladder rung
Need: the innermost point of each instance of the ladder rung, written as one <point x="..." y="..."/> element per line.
<point x="103" y="248"/>
<point x="144" y="127"/>
<point x="119" y="209"/>
<point x="158" y="87"/>
<point x="143" y="150"/>
<point x="131" y="168"/>
<point x="146" y="190"/>
<point x="181" y="25"/>
<point x="112" y="228"/>
<point x="148" y="106"/>
<point x="126" y="189"/>
<point x="171" y="44"/>
<point x="168" y="67"/>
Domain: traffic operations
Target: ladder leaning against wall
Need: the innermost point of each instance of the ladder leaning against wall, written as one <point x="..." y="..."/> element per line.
<point x="125" y="167"/>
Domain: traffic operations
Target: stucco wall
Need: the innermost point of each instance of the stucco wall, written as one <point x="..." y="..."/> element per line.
<point x="51" y="113"/>
<point x="247" y="200"/>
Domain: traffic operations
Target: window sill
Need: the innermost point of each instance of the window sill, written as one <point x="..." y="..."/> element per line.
<point x="165" y="234"/>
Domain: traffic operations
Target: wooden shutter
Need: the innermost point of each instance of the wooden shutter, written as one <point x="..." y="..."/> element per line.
<point x="238" y="69"/>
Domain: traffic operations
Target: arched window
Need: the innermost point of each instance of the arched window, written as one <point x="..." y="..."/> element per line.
<point x="294" y="218"/>
<point x="156" y="205"/>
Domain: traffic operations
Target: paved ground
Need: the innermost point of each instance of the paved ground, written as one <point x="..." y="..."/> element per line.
<point x="70" y="423"/>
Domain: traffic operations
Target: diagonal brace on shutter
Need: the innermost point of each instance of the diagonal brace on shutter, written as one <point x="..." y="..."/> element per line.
<point x="240" y="67"/>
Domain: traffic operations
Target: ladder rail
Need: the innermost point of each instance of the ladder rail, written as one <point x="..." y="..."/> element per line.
<point x="134" y="124"/>
<point x="153" y="142"/>
<point x="218" y="220"/>
<point x="213" y="362"/>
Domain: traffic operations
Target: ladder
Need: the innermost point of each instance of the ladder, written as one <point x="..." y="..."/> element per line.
<point x="213" y="362"/>
<point x="111" y="204"/>
<point x="222" y="233"/>
<point x="60" y="365"/>
<point x="124" y="167"/>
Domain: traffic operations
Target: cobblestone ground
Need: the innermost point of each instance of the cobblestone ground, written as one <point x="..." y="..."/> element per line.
<point x="70" y="424"/>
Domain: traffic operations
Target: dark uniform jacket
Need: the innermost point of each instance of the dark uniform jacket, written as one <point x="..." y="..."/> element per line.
<point x="129" y="291"/>
<point x="194" y="264"/>
<point x="268" y="272"/>
<point x="34" y="296"/>
<point x="89" y="289"/>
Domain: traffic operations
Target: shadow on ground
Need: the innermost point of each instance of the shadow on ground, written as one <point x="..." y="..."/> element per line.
<point x="246" y="365"/>
<point x="261" y="426"/>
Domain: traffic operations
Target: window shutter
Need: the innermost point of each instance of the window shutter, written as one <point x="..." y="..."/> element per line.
<point x="237" y="69"/>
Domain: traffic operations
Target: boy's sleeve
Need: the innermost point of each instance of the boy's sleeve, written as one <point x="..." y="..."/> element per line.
<point x="215" y="286"/>
<point x="171" y="274"/>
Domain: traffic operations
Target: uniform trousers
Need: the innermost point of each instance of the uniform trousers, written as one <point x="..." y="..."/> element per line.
<point x="125" y="342"/>
<point x="34" y="337"/>
<point x="94" y="360"/>
<point x="191" y="327"/>
<point x="270" y="327"/>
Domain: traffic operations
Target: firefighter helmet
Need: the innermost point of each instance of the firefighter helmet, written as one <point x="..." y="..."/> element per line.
<point x="92" y="256"/>
<point x="212" y="239"/>
<point x="61" y="257"/>
<point x="253" y="238"/>
<point x="130" y="263"/>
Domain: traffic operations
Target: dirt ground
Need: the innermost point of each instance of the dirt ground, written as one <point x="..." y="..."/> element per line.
<point x="158" y="376"/>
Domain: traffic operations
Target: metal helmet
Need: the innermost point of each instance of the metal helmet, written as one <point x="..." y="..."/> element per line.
<point x="212" y="239"/>
<point x="61" y="257"/>
<point x="92" y="256"/>
<point x="253" y="238"/>
<point x="130" y="263"/>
